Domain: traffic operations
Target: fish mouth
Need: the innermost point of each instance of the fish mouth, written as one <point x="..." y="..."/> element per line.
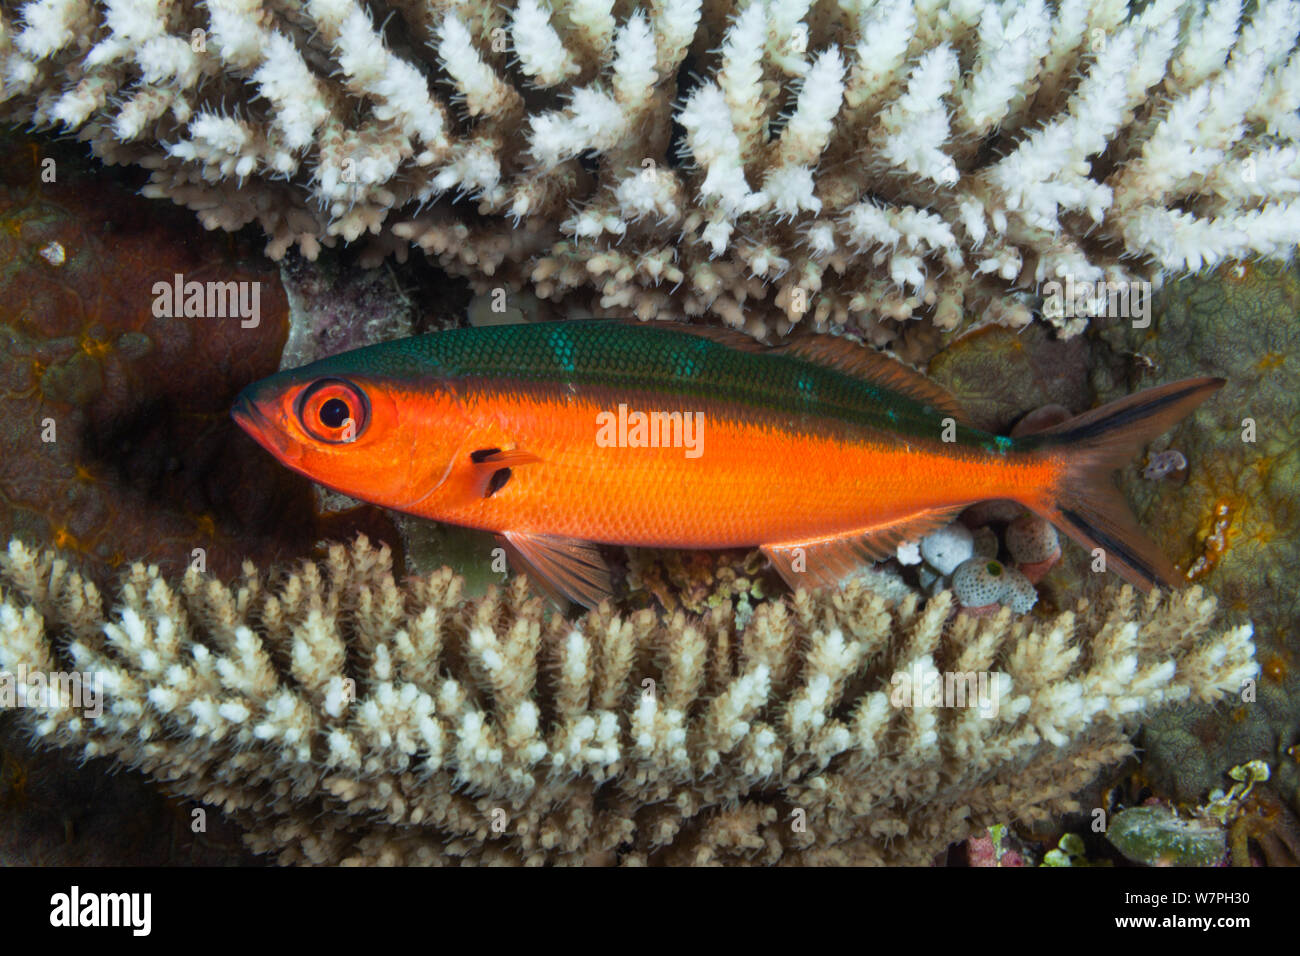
<point x="262" y="430"/>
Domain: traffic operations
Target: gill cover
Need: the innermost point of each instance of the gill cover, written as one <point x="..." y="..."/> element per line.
<point x="366" y="436"/>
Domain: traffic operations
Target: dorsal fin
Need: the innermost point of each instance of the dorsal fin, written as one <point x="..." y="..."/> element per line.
<point x="838" y="353"/>
<point x="728" y="337"/>
<point x="845" y="355"/>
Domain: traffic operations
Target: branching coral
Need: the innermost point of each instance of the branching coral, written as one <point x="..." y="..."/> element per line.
<point x="338" y="716"/>
<point x="765" y="162"/>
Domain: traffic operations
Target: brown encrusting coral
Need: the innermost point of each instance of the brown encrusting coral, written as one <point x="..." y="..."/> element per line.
<point x="338" y="716"/>
<point x="765" y="162"/>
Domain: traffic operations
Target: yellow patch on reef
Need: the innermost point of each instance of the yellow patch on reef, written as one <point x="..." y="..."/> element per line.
<point x="1236" y="272"/>
<point x="1270" y="361"/>
<point x="95" y="348"/>
<point x="1275" y="668"/>
<point x="1263" y="466"/>
<point x="1216" y="534"/>
<point x="14" y="227"/>
<point x="1264" y="534"/>
<point x="13" y="780"/>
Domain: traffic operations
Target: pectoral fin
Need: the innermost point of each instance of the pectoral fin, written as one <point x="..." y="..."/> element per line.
<point x="824" y="562"/>
<point x="491" y="468"/>
<point x="479" y="469"/>
<point x="565" y="569"/>
<point x="496" y="458"/>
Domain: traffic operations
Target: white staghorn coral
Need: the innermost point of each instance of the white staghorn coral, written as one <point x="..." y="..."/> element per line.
<point x="854" y="163"/>
<point x="850" y="162"/>
<point x="338" y="716"/>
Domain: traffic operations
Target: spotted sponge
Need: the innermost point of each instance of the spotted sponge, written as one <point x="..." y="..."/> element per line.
<point x="1019" y="594"/>
<point x="1034" y="545"/>
<point x="1030" y="539"/>
<point x="981" y="584"/>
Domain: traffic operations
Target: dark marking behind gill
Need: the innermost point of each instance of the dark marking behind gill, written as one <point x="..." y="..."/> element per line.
<point x="497" y="482"/>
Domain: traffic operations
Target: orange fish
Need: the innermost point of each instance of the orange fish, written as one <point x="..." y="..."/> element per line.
<point x="821" y="452"/>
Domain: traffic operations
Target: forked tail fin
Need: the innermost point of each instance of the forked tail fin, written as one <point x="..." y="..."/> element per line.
<point x="1088" y="506"/>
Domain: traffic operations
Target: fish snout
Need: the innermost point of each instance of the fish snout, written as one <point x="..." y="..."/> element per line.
<point x="248" y="415"/>
<point x="243" y="411"/>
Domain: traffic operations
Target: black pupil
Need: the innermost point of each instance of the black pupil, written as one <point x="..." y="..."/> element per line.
<point x="334" y="413"/>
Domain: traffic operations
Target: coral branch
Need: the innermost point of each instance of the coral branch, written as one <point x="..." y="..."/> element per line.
<point x="341" y="717"/>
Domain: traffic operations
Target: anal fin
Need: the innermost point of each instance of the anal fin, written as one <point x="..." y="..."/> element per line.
<point x="826" y="561"/>
<point x="565" y="569"/>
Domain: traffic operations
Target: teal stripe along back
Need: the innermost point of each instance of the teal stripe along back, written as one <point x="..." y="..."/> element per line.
<point x="649" y="357"/>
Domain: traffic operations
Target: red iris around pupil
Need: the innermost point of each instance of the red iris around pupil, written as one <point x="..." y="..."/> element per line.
<point x="333" y="410"/>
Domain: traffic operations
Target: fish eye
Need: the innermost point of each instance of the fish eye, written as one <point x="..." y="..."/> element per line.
<point x="333" y="410"/>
